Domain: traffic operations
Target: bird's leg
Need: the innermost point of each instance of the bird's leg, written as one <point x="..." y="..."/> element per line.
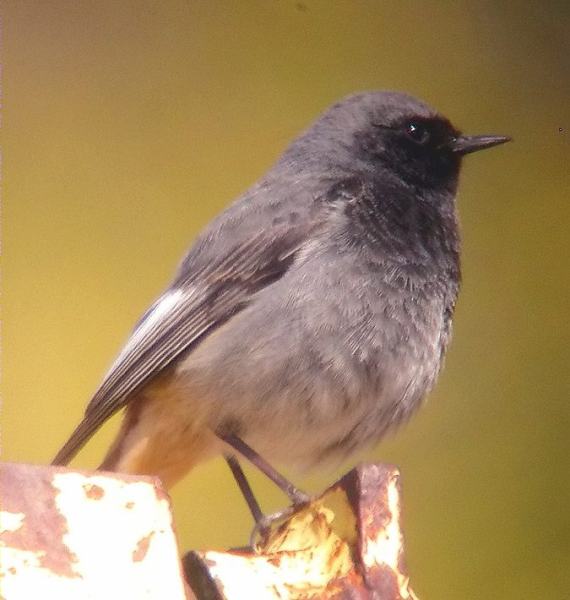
<point x="295" y="495"/>
<point x="262" y="522"/>
<point x="244" y="487"/>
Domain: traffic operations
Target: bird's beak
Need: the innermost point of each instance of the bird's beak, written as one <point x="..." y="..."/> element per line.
<point x="465" y="144"/>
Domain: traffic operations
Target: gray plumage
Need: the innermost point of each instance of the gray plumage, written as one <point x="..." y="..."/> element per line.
<point x="313" y="314"/>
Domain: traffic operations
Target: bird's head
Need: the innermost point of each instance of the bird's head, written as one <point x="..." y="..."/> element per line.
<point x="394" y="134"/>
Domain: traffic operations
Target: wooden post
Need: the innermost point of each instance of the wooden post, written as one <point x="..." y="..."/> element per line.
<point x="70" y="534"/>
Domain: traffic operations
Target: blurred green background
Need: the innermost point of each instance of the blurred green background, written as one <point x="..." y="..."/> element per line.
<point x="129" y="124"/>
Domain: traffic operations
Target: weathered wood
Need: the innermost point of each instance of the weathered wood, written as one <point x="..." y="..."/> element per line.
<point x="75" y="534"/>
<point x="67" y="534"/>
<point x="347" y="543"/>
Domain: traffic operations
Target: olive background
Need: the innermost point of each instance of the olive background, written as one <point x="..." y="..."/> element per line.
<point x="127" y="125"/>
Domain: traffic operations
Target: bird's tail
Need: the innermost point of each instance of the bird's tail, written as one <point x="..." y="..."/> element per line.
<point x="78" y="439"/>
<point x="139" y="452"/>
<point x="156" y="438"/>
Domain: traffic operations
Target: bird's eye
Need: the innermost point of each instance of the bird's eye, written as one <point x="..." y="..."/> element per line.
<point x="418" y="132"/>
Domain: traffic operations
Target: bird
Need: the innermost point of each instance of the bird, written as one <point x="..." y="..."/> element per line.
<point x="311" y="316"/>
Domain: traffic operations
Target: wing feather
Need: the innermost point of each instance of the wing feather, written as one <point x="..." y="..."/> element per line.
<point x="197" y="304"/>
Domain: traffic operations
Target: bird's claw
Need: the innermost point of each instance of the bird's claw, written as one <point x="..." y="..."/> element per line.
<point x="263" y="526"/>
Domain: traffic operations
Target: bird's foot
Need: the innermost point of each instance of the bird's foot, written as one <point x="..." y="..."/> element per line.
<point x="264" y="525"/>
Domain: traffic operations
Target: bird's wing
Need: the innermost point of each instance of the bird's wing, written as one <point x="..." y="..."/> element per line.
<point x="192" y="308"/>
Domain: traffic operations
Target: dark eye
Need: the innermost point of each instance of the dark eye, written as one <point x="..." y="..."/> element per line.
<point x="418" y="132"/>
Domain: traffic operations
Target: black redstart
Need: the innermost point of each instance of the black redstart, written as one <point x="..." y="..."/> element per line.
<point x="312" y="315"/>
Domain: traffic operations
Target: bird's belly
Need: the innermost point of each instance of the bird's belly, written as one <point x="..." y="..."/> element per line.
<point x="307" y="417"/>
<point x="302" y="391"/>
<point x="311" y="431"/>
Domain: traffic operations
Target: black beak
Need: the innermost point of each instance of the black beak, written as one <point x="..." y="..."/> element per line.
<point x="465" y="144"/>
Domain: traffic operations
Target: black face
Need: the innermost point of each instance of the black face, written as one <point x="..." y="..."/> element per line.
<point x="390" y="135"/>
<point x="418" y="149"/>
